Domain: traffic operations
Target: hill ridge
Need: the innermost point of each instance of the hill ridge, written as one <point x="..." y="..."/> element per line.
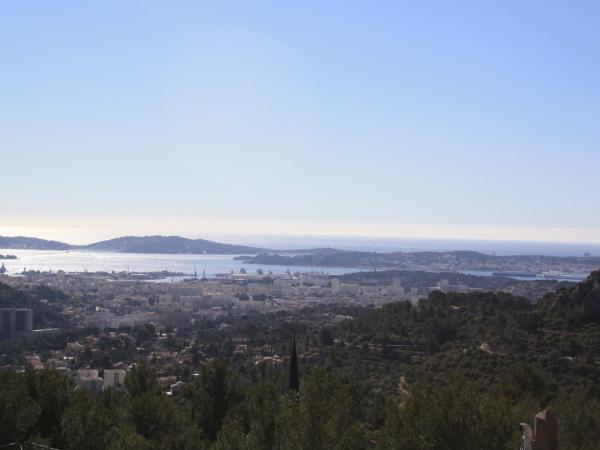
<point x="134" y="244"/>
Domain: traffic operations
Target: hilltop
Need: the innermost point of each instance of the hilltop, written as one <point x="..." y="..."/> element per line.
<point x="578" y="304"/>
<point x="30" y="243"/>
<point x="170" y="244"/>
<point x="134" y="244"/>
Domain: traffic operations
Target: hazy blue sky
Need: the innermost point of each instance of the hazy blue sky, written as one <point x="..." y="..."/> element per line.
<point x="448" y="118"/>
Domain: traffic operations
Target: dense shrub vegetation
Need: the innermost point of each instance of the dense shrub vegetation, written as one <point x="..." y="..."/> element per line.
<point x="456" y="371"/>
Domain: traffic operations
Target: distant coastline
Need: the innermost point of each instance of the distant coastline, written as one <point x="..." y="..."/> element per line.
<point x="135" y="244"/>
<point x="254" y="245"/>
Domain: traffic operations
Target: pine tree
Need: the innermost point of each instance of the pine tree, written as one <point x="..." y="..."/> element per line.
<point x="294" y="376"/>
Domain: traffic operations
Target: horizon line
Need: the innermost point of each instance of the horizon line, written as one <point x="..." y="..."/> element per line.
<point x="249" y="243"/>
<point x="81" y="230"/>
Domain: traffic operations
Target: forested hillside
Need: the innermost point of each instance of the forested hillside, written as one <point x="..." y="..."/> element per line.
<point x="455" y="372"/>
<point x="479" y="335"/>
<point x="40" y="299"/>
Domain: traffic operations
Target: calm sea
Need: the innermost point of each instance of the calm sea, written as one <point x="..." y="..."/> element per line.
<point x="93" y="261"/>
<point x="81" y="261"/>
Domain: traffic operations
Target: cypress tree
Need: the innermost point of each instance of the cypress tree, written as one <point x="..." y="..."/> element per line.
<point x="294" y="376"/>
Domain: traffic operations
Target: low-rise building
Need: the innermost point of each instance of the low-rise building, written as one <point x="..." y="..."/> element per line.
<point x="89" y="380"/>
<point x="114" y="378"/>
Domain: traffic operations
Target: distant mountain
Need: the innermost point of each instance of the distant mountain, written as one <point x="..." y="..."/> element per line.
<point x="22" y="242"/>
<point x="134" y="244"/>
<point x="169" y="244"/>
<point x="451" y="261"/>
